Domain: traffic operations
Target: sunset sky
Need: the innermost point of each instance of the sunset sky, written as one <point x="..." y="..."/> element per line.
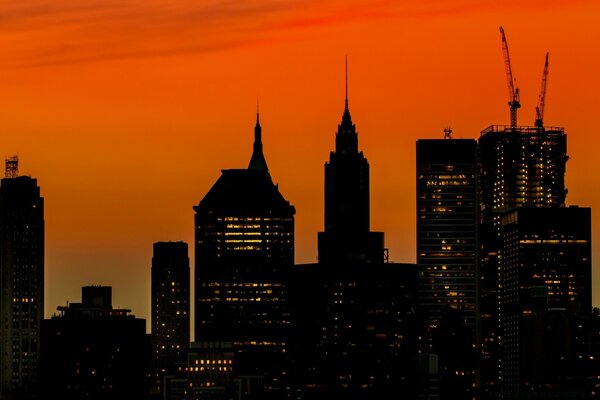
<point x="127" y="110"/>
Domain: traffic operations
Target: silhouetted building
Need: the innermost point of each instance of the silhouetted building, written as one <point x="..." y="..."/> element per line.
<point x="170" y="307"/>
<point x="518" y="166"/>
<point x="545" y="264"/>
<point x="353" y="314"/>
<point x="93" y="351"/>
<point x="347" y="235"/>
<point x="354" y="331"/>
<point x="21" y="282"/>
<point x="244" y="248"/>
<point x="447" y="256"/>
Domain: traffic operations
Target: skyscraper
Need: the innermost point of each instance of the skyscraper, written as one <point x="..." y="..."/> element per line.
<point x="21" y="282"/>
<point x="170" y="306"/>
<point x="244" y="248"/>
<point x="347" y="235"/>
<point x="545" y="265"/>
<point x="521" y="165"/>
<point x="447" y="226"/>
<point x="447" y="256"/>
<point x="353" y="313"/>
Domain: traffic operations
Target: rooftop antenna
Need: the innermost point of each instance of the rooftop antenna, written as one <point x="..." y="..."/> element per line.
<point x="346" y="82"/>
<point x="447" y="133"/>
<point x="11" y="169"/>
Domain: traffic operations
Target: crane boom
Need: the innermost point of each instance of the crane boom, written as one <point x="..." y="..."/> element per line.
<point x="539" y="110"/>
<point x="513" y="91"/>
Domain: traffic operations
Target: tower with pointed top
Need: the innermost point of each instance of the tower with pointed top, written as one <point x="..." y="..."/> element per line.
<point x="257" y="161"/>
<point x="347" y="236"/>
<point x="244" y="246"/>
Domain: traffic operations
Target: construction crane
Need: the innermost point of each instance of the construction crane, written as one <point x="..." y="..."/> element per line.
<point x="513" y="91"/>
<point x="539" y="110"/>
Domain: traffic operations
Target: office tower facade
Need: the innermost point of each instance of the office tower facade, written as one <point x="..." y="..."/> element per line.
<point x="347" y="235"/>
<point x="170" y="307"/>
<point x="545" y="265"/>
<point x="447" y="226"/>
<point x="21" y="282"/>
<point x="244" y="248"/>
<point x="447" y="257"/>
<point x="518" y="166"/>
<point x="94" y="351"/>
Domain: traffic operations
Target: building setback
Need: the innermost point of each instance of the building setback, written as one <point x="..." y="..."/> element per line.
<point x="170" y="307"/>
<point x="21" y="282"/>
<point x="244" y="249"/>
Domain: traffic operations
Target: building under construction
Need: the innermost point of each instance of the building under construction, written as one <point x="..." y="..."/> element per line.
<point x="519" y="166"/>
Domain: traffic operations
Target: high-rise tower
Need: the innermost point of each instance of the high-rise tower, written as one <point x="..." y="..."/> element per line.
<point x="519" y="166"/>
<point x="244" y="247"/>
<point x="347" y="235"/>
<point x="170" y="306"/>
<point x="21" y="282"/>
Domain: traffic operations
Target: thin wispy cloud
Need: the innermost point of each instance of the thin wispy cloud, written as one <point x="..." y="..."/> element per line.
<point x="45" y="33"/>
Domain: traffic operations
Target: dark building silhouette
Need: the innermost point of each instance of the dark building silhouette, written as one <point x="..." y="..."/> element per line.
<point x="353" y="314"/>
<point x="354" y="331"/>
<point x="21" y="282"/>
<point x="170" y="307"/>
<point x="244" y="249"/>
<point x="93" y="351"/>
<point x="519" y="166"/>
<point x="447" y="257"/>
<point x="347" y="235"/>
<point x="545" y="265"/>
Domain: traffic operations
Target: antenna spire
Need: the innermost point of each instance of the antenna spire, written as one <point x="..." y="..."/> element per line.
<point x="346" y="82"/>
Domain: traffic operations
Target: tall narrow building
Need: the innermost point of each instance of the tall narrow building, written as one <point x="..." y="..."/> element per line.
<point x="244" y="249"/>
<point x="21" y="282"/>
<point x="347" y="235"/>
<point x="170" y="307"/>
<point x="447" y="257"/>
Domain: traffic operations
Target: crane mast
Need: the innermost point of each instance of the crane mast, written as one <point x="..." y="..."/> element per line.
<point x="539" y="110"/>
<point x="513" y="91"/>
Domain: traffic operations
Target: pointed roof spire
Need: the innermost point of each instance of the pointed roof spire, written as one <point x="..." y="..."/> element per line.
<point x="257" y="161"/>
<point x="346" y="82"/>
<point x="346" y="119"/>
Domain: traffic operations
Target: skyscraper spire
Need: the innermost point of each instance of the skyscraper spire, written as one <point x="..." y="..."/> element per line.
<point x="257" y="161"/>
<point x="346" y="83"/>
<point x="346" y="138"/>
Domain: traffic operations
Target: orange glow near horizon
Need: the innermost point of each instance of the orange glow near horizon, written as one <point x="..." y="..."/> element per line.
<point x="126" y="111"/>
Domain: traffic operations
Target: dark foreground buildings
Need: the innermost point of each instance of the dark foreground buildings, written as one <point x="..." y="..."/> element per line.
<point x="93" y="351"/>
<point x="545" y="274"/>
<point x="244" y="249"/>
<point x="170" y="308"/>
<point x="21" y="282"/>
<point x="353" y="313"/>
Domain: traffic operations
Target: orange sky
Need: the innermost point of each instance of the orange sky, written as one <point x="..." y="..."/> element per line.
<point x="126" y="111"/>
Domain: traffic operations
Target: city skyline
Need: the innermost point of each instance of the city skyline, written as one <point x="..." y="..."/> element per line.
<point x="127" y="140"/>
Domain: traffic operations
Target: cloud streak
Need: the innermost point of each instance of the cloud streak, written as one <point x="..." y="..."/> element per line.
<point x="41" y="33"/>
